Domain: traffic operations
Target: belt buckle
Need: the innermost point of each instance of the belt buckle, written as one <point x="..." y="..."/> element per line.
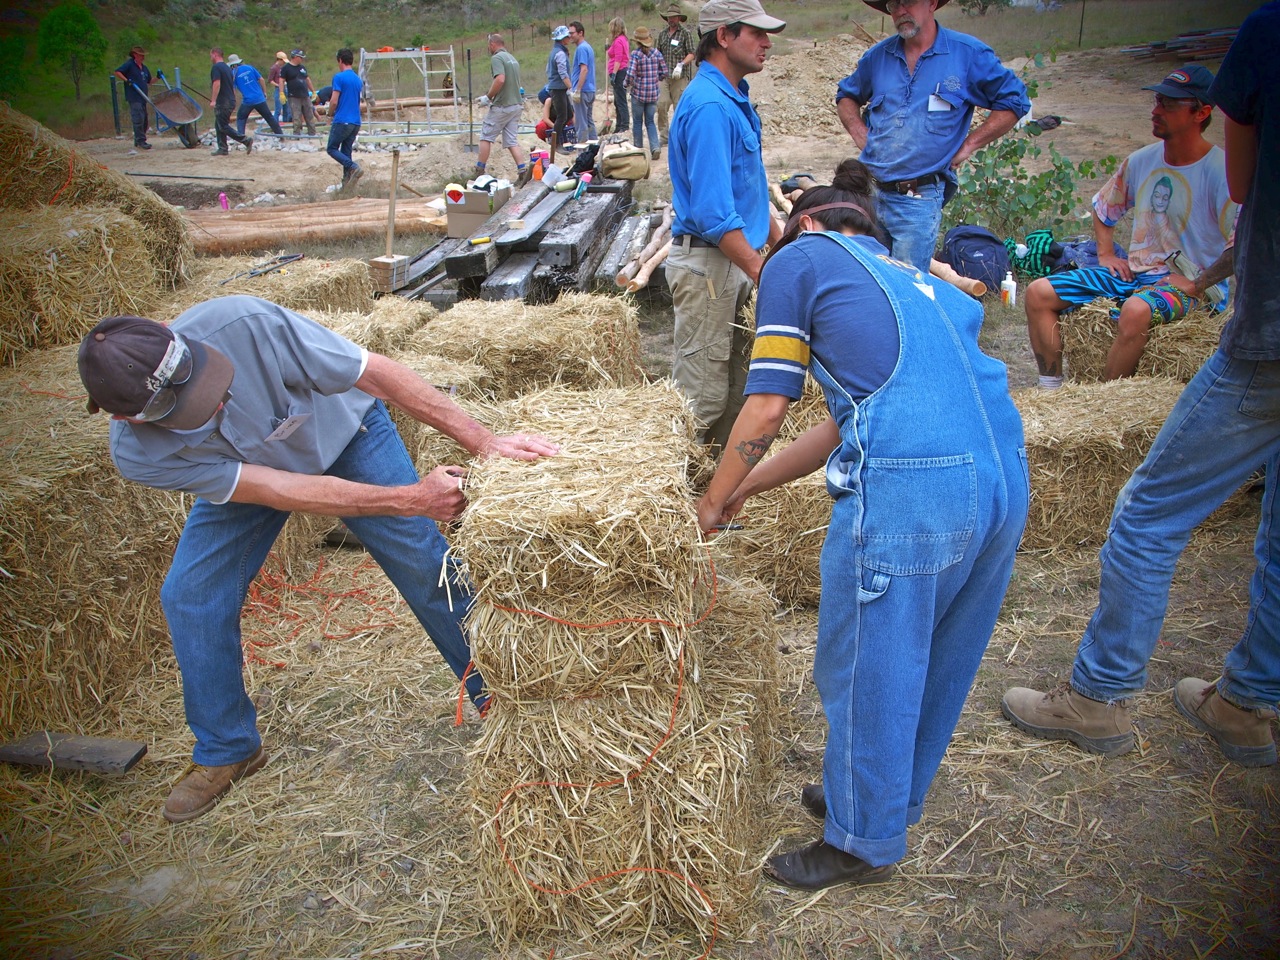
<point x="905" y="187"/>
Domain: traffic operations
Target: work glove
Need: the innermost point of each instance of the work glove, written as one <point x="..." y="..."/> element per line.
<point x="483" y="100"/>
<point x="676" y="71"/>
<point x="576" y="96"/>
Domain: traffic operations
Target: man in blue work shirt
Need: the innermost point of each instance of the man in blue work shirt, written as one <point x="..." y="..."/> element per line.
<point x="137" y="80"/>
<point x="720" y="193"/>
<point x="907" y="106"/>
<point x="344" y="111"/>
<point x="258" y="411"/>
<point x="253" y="95"/>
<point x="582" y="87"/>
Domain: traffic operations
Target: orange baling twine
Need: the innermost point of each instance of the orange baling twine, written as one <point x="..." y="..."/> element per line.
<point x="617" y="781"/>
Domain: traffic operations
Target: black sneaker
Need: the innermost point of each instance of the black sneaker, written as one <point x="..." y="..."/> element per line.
<point x="248" y="146"/>
<point x="356" y="173"/>
<point x="218" y="153"/>
<point x="142" y="146"/>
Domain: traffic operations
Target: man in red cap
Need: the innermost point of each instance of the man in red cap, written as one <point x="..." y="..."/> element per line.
<point x="258" y="411"/>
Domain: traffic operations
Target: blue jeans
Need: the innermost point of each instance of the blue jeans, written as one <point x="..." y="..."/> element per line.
<point x="643" y="117"/>
<point x="1225" y="425"/>
<point x="584" y="116"/>
<point x="342" y="139"/>
<point x="220" y="552"/>
<point x="242" y="116"/>
<point x="912" y="223"/>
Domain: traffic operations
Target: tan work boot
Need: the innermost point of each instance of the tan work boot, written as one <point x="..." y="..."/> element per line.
<point x="1243" y="735"/>
<point x="203" y="787"/>
<point x="1064" y="714"/>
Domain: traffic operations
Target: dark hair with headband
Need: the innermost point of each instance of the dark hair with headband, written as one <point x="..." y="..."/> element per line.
<point x="845" y="205"/>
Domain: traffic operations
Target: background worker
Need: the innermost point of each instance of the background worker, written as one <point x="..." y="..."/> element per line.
<point x="223" y="100"/>
<point x="137" y="85"/>
<point x="617" y="57"/>
<point x="559" y="81"/>
<point x="582" y="90"/>
<point x="280" y="101"/>
<point x="258" y="411"/>
<point x="299" y="91"/>
<point x="1177" y="190"/>
<point x="1225" y="425"/>
<point x="723" y="219"/>
<point x="505" y="105"/>
<point x="918" y="90"/>
<point x="645" y="71"/>
<point x="344" y="117"/>
<point x="253" y="95"/>
<point x="676" y="43"/>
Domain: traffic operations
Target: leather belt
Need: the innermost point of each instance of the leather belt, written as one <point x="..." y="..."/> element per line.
<point x="687" y="240"/>
<point x="909" y="186"/>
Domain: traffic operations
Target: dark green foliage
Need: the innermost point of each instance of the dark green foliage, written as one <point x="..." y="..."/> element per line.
<point x="69" y="36"/>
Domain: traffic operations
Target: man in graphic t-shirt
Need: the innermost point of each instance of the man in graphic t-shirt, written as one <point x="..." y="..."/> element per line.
<point x="1177" y="189"/>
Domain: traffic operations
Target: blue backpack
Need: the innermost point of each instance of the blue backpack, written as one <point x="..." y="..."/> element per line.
<point x="976" y="253"/>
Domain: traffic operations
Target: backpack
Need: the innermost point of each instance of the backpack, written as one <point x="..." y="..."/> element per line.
<point x="976" y="253"/>
<point x="1081" y="252"/>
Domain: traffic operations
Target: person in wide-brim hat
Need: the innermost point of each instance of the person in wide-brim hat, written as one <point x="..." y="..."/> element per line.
<point x="883" y="5"/>
<point x="643" y="37"/>
<point x="675" y="10"/>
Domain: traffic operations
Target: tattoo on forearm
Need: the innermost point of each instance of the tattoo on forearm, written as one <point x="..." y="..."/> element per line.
<point x="753" y="451"/>
<point x="1217" y="271"/>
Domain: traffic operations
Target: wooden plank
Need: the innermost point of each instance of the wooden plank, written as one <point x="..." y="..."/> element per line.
<point x="512" y="280"/>
<point x="616" y="254"/>
<point x="65" y="751"/>
<point x="482" y="259"/>
<point x="431" y="261"/>
<point x="587" y="224"/>
<point x="535" y="222"/>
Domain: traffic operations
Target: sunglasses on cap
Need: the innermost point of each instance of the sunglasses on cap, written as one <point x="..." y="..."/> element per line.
<point x="174" y="370"/>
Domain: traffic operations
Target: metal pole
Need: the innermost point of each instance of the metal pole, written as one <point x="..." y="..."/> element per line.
<point x="1080" y="39"/>
<point x="115" y="105"/>
<point x="471" y="118"/>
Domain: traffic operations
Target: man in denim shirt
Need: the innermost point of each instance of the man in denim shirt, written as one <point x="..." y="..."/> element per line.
<point x="720" y="193"/>
<point x="907" y="106"/>
<point x="258" y="411"/>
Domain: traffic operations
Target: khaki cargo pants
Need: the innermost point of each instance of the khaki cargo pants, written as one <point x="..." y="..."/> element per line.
<point x="712" y="349"/>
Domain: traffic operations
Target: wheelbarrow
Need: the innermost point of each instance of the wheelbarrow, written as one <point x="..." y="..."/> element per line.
<point x="175" y="110"/>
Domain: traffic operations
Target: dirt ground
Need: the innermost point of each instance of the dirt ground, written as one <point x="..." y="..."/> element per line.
<point x="1026" y="850"/>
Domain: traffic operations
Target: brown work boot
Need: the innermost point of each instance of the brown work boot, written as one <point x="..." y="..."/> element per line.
<point x="1243" y="735"/>
<point x="202" y="787"/>
<point x="1064" y="714"/>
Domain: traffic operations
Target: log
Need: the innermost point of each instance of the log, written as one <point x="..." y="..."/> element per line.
<point x="783" y="203"/>
<point x="587" y="223"/>
<point x="631" y="260"/>
<point x="617" y="253"/>
<point x="641" y="279"/>
<point x="944" y="271"/>
<point x="512" y="280"/>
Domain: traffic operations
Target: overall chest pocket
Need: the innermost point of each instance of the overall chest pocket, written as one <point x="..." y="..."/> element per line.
<point x="919" y="514"/>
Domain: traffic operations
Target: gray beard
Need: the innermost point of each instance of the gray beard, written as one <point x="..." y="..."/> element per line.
<point x="908" y="29"/>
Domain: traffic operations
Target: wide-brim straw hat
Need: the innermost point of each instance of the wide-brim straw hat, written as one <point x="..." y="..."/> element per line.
<point x="675" y="10"/>
<point x="883" y="5"/>
<point x="643" y="37"/>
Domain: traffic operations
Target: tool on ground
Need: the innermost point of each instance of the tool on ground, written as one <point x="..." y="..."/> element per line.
<point x="268" y="266"/>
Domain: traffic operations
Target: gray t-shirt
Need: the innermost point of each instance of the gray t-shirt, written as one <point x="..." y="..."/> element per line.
<point x="293" y="402"/>
<point x="504" y="63"/>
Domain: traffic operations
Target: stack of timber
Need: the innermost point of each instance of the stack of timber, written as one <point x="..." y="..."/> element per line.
<point x="1186" y="47"/>
<point x="539" y="244"/>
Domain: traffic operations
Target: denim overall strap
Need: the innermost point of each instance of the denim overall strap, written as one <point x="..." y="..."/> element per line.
<point x="930" y="498"/>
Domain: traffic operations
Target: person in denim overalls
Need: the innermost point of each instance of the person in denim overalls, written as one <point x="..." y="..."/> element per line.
<point x="926" y="464"/>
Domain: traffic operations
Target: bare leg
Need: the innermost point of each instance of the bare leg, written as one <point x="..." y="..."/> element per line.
<point x="1043" y="306"/>
<point x="1132" y="333"/>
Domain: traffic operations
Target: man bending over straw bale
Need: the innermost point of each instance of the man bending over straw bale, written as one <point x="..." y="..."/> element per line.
<point x="1225" y="425"/>
<point x="1183" y="215"/>
<point x="258" y="411"/>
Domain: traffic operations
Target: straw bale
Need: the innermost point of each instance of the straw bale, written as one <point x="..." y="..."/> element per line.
<point x="385" y="328"/>
<point x="604" y="529"/>
<point x="1175" y="350"/>
<point x="581" y="340"/>
<point x="62" y="269"/>
<point x="306" y="286"/>
<point x="461" y="381"/>
<point x="696" y="810"/>
<point x="39" y="167"/>
<point x="780" y="543"/>
<point x="83" y="554"/>
<point x="1083" y="442"/>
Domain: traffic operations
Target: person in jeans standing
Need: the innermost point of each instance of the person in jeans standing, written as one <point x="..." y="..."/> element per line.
<point x="223" y="100"/>
<point x="280" y="102"/>
<point x="645" y="71"/>
<point x="305" y="428"/>
<point x="582" y="88"/>
<point x="617" y="58"/>
<point x="299" y="90"/>
<point x="344" y="117"/>
<point x="137" y="81"/>
<point x="1225" y="425"/>
<point x="558" y="83"/>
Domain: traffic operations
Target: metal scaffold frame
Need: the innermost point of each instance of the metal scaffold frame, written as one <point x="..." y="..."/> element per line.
<point x="439" y="89"/>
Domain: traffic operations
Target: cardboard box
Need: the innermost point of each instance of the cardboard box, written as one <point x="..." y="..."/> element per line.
<point x="477" y="206"/>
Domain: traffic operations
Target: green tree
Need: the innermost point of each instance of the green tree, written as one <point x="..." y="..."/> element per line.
<point x="70" y="36"/>
<point x="12" y="50"/>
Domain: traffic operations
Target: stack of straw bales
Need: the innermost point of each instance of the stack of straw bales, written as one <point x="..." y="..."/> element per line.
<point x="83" y="553"/>
<point x="1083" y="442"/>
<point x="308" y="286"/>
<point x="1175" y="350"/>
<point x="62" y="269"/>
<point x="39" y="167"/>
<point x="581" y="340"/>
<point x="617" y="785"/>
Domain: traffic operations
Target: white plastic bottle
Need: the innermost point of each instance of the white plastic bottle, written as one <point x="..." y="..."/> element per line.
<point x="1009" y="290"/>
